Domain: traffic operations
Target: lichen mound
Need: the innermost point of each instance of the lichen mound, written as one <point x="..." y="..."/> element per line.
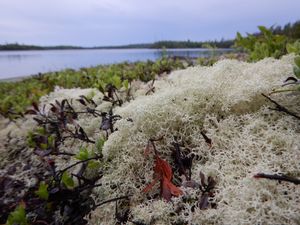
<point x="225" y="101"/>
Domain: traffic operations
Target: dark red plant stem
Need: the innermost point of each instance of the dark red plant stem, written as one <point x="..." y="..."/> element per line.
<point x="278" y="177"/>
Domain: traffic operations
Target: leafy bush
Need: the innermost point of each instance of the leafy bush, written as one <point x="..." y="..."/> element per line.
<point x="18" y="216"/>
<point x="15" y="97"/>
<point x="266" y="44"/>
<point x="293" y="47"/>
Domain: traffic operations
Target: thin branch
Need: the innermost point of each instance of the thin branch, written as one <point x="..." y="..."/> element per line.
<point x="281" y="108"/>
<point x="207" y="139"/>
<point x="40" y="222"/>
<point x="152" y="140"/>
<point x="77" y="163"/>
<point x="281" y="91"/>
<point x="63" y="153"/>
<point x="278" y="177"/>
<point x="110" y="200"/>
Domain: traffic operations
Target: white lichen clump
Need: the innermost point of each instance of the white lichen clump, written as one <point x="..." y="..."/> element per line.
<point x="225" y="101"/>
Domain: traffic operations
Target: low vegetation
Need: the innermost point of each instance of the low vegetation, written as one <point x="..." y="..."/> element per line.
<point x="268" y="43"/>
<point x="15" y="97"/>
<point x="131" y="146"/>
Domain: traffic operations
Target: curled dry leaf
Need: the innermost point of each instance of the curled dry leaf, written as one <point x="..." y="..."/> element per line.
<point x="163" y="173"/>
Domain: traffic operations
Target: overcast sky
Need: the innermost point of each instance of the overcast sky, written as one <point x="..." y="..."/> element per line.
<point x="114" y="22"/>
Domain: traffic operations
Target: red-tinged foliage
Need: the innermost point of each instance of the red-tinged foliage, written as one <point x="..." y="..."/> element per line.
<point x="163" y="173"/>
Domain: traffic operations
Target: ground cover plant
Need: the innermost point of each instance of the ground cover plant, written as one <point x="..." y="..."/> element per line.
<point x="227" y="138"/>
<point x="16" y="97"/>
<point x="187" y="151"/>
<point x="204" y="145"/>
<point x="57" y="192"/>
<point x="267" y="44"/>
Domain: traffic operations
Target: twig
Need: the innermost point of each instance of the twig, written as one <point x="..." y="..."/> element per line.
<point x="281" y="108"/>
<point x="40" y="222"/>
<point x="110" y="200"/>
<point x="63" y="153"/>
<point x="207" y="139"/>
<point x="152" y="140"/>
<point x="75" y="164"/>
<point x="151" y="88"/>
<point x="277" y="177"/>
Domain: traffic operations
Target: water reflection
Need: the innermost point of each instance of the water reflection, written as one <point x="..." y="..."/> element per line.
<point x="24" y="63"/>
<point x="17" y="56"/>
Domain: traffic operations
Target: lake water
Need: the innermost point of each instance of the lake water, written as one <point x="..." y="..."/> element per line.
<point x="24" y="63"/>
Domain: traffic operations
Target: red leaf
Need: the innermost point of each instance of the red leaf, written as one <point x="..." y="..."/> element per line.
<point x="163" y="173"/>
<point x="165" y="191"/>
<point x="150" y="186"/>
<point x="173" y="189"/>
<point x="162" y="168"/>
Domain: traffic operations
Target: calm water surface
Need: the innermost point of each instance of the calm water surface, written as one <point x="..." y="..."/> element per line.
<point x="24" y="63"/>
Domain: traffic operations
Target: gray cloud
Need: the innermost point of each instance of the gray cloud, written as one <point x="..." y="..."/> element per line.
<point x="110" y="22"/>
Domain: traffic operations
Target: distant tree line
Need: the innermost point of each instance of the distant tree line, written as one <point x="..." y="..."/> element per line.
<point x="16" y="46"/>
<point x="155" y="45"/>
<point x="291" y="30"/>
<point x="192" y="44"/>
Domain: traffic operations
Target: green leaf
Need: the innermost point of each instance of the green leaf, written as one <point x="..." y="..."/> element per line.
<point x="94" y="164"/>
<point x="238" y="35"/>
<point x="297" y="61"/>
<point x="101" y="86"/>
<point x="126" y="84"/>
<point x="293" y="47"/>
<point x="40" y="130"/>
<point x="44" y="146"/>
<point x="30" y="141"/>
<point x="99" y="144"/>
<point x="67" y="180"/>
<point x="297" y="72"/>
<point x="18" y="216"/>
<point x="290" y="48"/>
<point x="42" y="192"/>
<point x="116" y="81"/>
<point x="266" y="32"/>
<point x="51" y="141"/>
<point x="83" y="154"/>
